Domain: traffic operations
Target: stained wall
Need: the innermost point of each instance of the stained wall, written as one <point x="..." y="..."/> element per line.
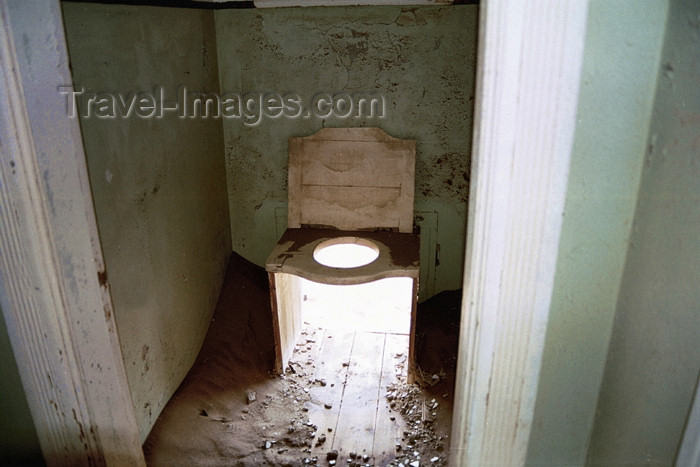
<point x="158" y="184"/>
<point x="421" y="61"/>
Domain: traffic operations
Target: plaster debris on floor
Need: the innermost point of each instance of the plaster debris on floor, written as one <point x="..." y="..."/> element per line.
<point x="342" y="400"/>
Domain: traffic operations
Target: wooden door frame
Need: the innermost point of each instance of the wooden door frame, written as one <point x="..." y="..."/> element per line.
<point x="54" y="293"/>
<point x="528" y="74"/>
<point x="53" y="286"/>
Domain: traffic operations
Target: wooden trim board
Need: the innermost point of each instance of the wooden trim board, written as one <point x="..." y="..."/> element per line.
<point x="54" y="291"/>
<point x="351" y="179"/>
<point x="38" y="235"/>
<point x="527" y="89"/>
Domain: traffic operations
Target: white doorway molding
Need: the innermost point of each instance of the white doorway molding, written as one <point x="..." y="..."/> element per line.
<point x="528" y="74"/>
<point x="60" y="316"/>
<point x="53" y="289"/>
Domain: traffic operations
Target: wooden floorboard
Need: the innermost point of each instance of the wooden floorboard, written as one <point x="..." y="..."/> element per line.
<point x="324" y="408"/>
<point x="348" y="373"/>
<point x="209" y="421"/>
<point x="358" y="411"/>
<point x="389" y="423"/>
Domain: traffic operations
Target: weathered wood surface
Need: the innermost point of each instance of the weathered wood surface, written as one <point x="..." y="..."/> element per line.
<point x="527" y="92"/>
<point x="285" y="295"/>
<point x="356" y="369"/>
<point x="54" y="291"/>
<point x="351" y="179"/>
<point x="399" y="256"/>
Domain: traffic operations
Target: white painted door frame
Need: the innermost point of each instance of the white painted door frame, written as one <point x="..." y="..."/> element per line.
<point x="54" y="294"/>
<point x="53" y="288"/>
<point x="528" y="74"/>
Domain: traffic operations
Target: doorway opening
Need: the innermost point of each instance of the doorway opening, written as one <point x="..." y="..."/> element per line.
<point x="244" y="179"/>
<point x="354" y="346"/>
<point x="382" y="306"/>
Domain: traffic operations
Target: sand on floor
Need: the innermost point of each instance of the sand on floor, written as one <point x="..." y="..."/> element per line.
<point x="212" y="419"/>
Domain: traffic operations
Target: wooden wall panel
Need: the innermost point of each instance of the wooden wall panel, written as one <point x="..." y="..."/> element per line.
<point x="351" y="179"/>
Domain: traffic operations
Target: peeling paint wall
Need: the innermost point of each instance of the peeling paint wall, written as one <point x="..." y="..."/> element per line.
<point x="421" y="61"/>
<point x="654" y="357"/>
<point x="158" y="184"/>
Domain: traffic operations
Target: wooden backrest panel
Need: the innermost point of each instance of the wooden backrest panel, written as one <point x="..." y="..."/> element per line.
<point x="351" y="179"/>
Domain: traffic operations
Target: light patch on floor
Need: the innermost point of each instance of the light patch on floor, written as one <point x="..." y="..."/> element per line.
<point x="381" y="306"/>
<point x="356" y="339"/>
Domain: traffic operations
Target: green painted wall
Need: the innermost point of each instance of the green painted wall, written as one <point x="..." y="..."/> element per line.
<point x="420" y="60"/>
<point x="622" y="52"/>
<point x="19" y="444"/>
<point x="159" y="187"/>
<point x="654" y="357"/>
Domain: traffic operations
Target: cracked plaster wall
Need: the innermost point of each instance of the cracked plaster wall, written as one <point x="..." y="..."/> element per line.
<point x="422" y="61"/>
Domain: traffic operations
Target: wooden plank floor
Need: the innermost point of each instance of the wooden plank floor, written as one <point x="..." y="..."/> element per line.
<point x="390" y="425"/>
<point x="209" y="420"/>
<point x="351" y="372"/>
